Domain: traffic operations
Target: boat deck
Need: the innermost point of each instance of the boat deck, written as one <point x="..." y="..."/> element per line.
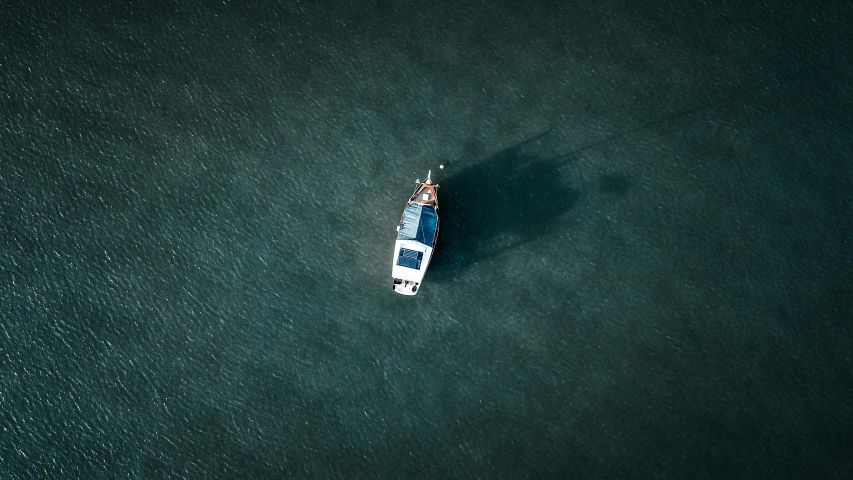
<point x="425" y="195"/>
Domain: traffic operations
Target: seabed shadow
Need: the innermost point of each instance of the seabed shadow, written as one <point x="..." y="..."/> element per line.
<point x="499" y="204"/>
<point x="517" y="195"/>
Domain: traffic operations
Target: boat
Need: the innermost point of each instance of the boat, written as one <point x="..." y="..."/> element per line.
<point x="416" y="237"/>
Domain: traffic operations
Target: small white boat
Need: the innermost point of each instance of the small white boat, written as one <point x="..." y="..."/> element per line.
<point x="416" y="237"/>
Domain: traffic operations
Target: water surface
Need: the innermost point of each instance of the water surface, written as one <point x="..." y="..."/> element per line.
<point x="643" y="270"/>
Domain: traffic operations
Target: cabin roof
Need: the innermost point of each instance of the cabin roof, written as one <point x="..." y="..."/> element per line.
<point x="419" y="224"/>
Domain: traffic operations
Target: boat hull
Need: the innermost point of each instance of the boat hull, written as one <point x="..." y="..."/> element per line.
<point x="416" y="237"/>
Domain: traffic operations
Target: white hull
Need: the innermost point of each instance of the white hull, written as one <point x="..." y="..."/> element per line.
<point x="416" y="236"/>
<point x="411" y="278"/>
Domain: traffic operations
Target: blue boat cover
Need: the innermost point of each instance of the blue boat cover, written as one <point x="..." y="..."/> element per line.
<point x="419" y="223"/>
<point x="410" y="258"/>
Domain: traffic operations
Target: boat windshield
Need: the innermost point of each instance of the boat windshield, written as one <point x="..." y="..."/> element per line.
<point x="419" y="223"/>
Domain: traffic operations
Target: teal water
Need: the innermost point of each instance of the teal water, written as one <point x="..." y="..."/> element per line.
<point x="644" y="266"/>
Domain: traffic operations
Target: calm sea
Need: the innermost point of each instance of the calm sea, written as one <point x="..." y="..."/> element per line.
<point x="644" y="268"/>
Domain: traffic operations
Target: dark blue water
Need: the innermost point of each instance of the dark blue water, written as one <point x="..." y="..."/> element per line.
<point x="644" y="266"/>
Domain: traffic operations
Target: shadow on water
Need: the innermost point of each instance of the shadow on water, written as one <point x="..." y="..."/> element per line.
<point x="518" y="195"/>
<point x="614" y="183"/>
<point x="499" y="204"/>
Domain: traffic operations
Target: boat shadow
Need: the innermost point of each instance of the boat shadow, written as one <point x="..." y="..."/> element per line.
<point x="499" y="204"/>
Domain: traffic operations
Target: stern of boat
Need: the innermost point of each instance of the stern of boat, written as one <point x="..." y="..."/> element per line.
<point x="405" y="287"/>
